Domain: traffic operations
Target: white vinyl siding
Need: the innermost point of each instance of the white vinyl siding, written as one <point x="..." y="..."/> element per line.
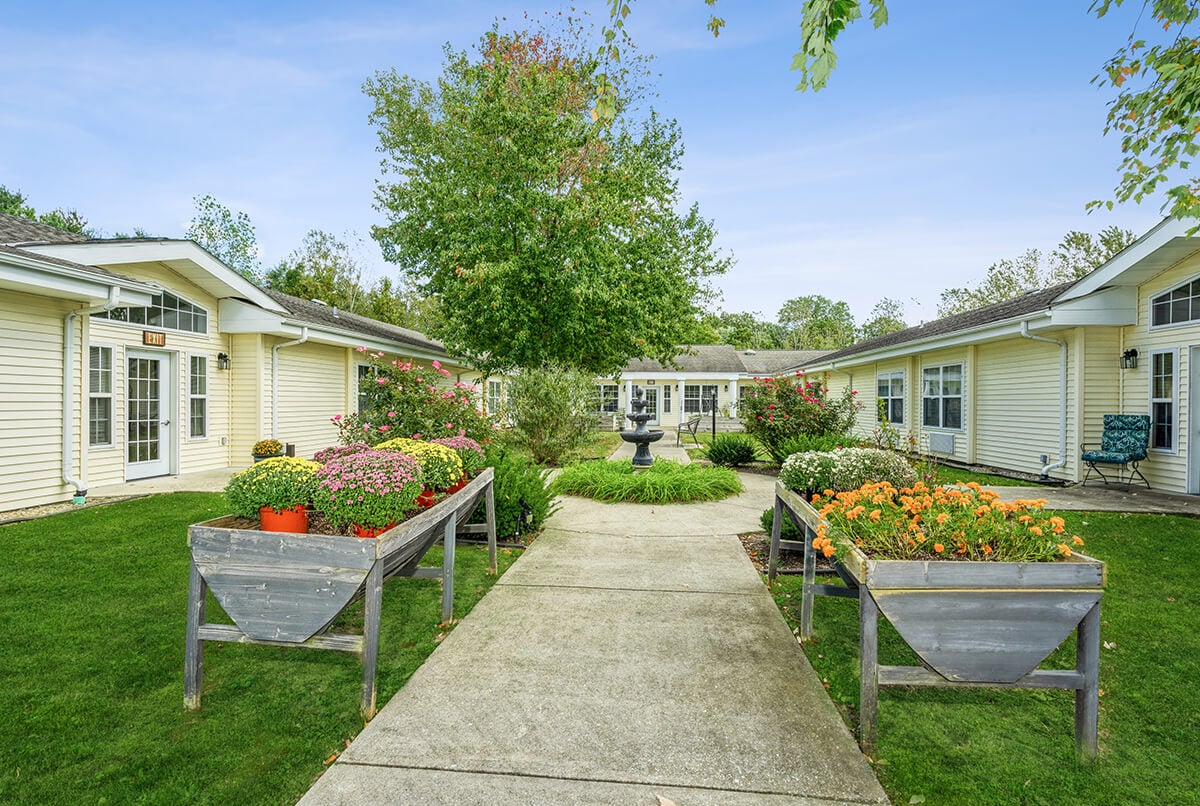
<point x="100" y="397"/>
<point x="1164" y="386"/>
<point x="312" y="390"/>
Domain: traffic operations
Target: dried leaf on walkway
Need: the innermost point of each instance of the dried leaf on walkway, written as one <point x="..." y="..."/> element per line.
<point x="664" y="801"/>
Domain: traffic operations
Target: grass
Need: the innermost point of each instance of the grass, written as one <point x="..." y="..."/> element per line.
<point x="91" y="667"/>
<point x="951" y="475"/>
<point x="599" y="445"/>
<point x="662" y="483"/>
<point x="979" y="746"/>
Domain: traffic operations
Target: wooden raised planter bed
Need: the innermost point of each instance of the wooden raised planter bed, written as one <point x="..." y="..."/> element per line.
<point x="985" y="624"/>
<point x="285" y="589"/>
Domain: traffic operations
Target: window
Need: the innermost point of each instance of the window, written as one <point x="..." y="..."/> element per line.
<point x="1162" y="400"/>
<point x="166" y="311"/>
<point x="890" y="386"/>
<point x="666" y="400"/>
<point x="698" y="398"/>
<point x="607" y="397"/>
<point x="942" y="397"/>
<point x="1180" y="304"/>
<point x="198" y="397"/>
<point x="100" y="378"/>
<point x="494" y="396"/>
<point x="366" y="377"/>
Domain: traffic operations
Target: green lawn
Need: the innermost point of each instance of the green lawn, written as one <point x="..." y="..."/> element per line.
<point x="985" y="747"/>
<point x="91" y="667"/>
<point x="952" y="475"/>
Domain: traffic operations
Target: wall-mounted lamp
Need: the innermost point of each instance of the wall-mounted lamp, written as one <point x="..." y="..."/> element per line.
<point x="726" y="387"/>
<point x="1129" y="359"/>
<point x="223" y="361"/>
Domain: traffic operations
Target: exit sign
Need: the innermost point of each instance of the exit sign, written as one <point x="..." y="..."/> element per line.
<point x="154" y="339"/>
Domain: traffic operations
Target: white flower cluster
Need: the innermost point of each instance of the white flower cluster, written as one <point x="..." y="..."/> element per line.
<point x="845" y="469"/>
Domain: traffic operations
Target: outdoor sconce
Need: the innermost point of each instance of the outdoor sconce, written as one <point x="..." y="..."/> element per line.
<point x="1129" y="359"/>
<point x="223" y="361"/>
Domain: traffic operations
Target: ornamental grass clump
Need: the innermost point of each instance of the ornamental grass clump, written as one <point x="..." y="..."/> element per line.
<point x="731" y="450"/>
<point x="369" y="488"/>
<point x="280" y="483"/>
<point x="663" y="482"/>
<point x="469" y="451"/>
<point x="940" y="523"/>
<point x="440" y="465"/>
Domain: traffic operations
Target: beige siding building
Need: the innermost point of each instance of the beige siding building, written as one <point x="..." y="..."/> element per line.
<point x="129" y="359"/>
<point x="1024" y="384"/>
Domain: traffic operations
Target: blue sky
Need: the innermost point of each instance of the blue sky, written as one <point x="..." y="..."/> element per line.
<point x="959" y="134"/>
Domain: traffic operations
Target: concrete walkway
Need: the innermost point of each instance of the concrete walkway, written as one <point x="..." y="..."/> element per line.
<point x="631" y="653"/>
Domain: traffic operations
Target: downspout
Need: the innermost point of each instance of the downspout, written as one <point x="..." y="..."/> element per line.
<point x="1062" y="397"/>
<point x="275" y="379"/>
<point x="68" y="455"/>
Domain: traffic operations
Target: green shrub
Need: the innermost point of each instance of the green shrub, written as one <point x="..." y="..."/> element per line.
<point x="788" y="530"/>
<point x="778" y="408"/>
<point x="552" y="410"/>
<point x="803" y="443"/>
<point x="731" y="450"/>
<point x="663" y="482"/>
<point x="523" y="497"/>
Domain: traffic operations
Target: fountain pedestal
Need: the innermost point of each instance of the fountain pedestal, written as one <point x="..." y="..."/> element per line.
<point x="640" y="436"/>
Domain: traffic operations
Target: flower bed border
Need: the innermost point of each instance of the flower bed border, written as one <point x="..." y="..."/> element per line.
<point x="274" y="579"/>
<point x="1079" y="578"/>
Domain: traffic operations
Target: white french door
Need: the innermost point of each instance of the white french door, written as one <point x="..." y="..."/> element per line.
<point x="651" y="394"/>
<point x="148" y="407"/>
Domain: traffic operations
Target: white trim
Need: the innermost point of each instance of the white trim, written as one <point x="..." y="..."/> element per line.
<point x="962" y="397"/>
<point x="158" y="292"/>
<point x="168" y="445"/>
<point x="890" y="375"/>
<point x="110" y="396"/>
<point x="208" y="368"/>
<point x="1129" y="258"/>
<point x="1174" y="400"/>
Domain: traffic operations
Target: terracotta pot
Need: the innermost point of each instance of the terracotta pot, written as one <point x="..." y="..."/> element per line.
<point x="426" y="499"/>
<point x="294" y="519"/>
<point x="369" y="531"/>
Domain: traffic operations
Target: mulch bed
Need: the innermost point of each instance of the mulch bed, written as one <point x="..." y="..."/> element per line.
<point x="758" y="548"/>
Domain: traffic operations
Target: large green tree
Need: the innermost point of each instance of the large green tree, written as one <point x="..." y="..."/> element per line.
<point x="229" y="236"/>
<point x="886" y="317"/>
<point x="815" y="322"/>
<point x="14" y="202"/>
<point x="1076" y="255"/>
<point x="324" y="268"/>
<point x="548" y="235"/>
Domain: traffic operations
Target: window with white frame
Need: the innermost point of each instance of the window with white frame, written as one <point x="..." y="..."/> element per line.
<point x="1163" y="384"/>
<point x="942" y="396"/>
<point x="495" y="394"/>
<point x="1180" y="304"/>
<point x="366" y="376"/>
<point x="698" y="398"/>
<point x="890" y="391"/>
<point x="665" y="403"/>
<point x="166" y="311"/>
<point x="100" y="405"/>
<point x="198" y="397"/>
<point x="608" y="397"/>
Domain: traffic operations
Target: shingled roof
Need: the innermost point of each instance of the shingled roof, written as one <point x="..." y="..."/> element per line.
<point x="314" y="313"/>
<point x="17" y="230"/>
<point x="968" y="320"/>
<point x="724" y="359"/>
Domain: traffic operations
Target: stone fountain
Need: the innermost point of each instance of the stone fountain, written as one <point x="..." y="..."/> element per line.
<point x="641" y="436"/>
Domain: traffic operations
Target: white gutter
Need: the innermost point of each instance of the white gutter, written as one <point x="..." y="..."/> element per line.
<point x="1062" y="396"/>
<point x="275" y="379"/>
<point x="68" y="455"/>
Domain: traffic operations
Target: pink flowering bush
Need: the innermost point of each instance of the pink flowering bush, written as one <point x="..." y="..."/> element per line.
<point x="406" y="399"/>
<point x="777" y="409"/>
<point x="469" y="451"/>
<point x="368" y="488"/>
<point x="338" y="451"/>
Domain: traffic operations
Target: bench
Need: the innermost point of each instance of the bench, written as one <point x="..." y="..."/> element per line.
<point x="1124" y="443"/>
<point x="691" y="426"/>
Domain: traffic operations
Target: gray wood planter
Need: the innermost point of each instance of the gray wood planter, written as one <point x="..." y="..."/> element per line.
<point x="285" y="589"/>
<point x="971" y="623"/>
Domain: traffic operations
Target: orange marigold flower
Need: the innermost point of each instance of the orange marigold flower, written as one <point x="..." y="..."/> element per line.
<point x="875" y="515"/>
<point x="1065" y="549"/>
<point x="1077" y="540"/>
<point x="1058" y="530"/>
<point x="942" y="518"/>
<point x="987" y="549"/>
<point x="817" y="541"/>
<point x="1035" y="530"/>
<point x="974" y="485"/>
<point x="1026" y="519"/>
<point x="829" y="551"/>
<point x="939" y="548"/>
<point x="920" y="538"/>
<point x="983" y="510"/>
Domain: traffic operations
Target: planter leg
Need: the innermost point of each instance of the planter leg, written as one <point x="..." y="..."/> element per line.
<point x="810" y="579"/>
<point x="1087" y="698"/>
<point x="868" y="668"/>
<point x="373" y="600"/>
<point x="490" y="505"/>
<point x="193" y="653"/>
<point x="448" y="538"/>
<point x="776" y="531"/>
